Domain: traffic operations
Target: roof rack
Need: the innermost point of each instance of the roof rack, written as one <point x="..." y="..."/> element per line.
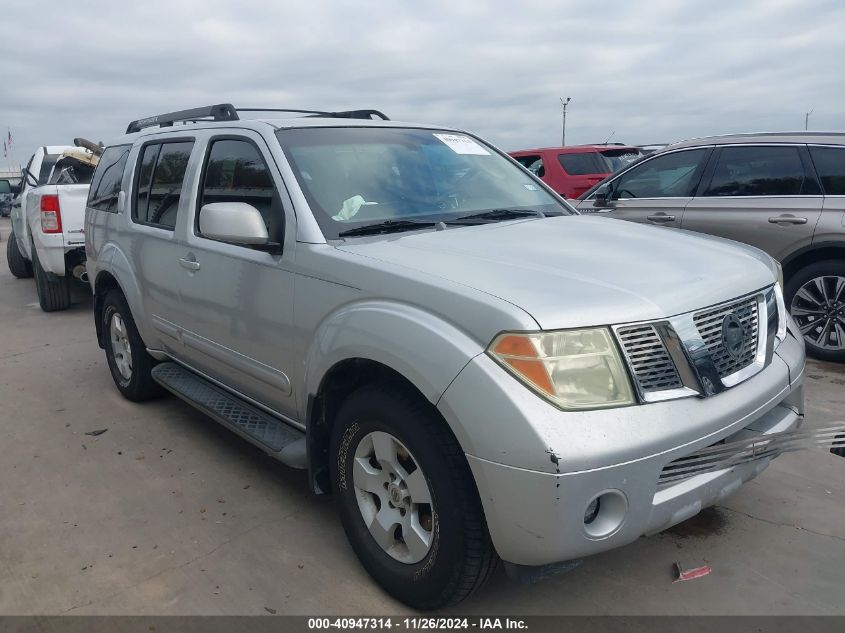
<point x="228" y="112"/>
<point x="342" y="114"/>
<point x="219" y="112"/>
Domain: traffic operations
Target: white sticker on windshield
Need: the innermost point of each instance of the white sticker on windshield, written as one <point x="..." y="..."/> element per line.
<point x="530" y="186"/>
<point x="462" y="144"/>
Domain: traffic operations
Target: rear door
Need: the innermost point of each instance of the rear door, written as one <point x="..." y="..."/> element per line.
<point x="764" y="195"/>
<point x="158" y="199"/>
<point x="655" y="191"/>
<point x="829" y="161"/>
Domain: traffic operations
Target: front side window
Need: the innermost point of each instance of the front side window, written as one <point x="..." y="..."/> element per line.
<point x="830" y="165"/>
<point x="760" y="171"/>
<point x="352" y="177"/>
<point x="105" y="186"/>
<point x="159" y="182"/>
<point x="5" y="187"/>
<point x="671" y="175"/>
<point x="236" y="172"/>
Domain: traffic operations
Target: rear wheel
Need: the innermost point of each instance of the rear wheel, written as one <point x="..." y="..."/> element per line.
<point x="407" y="499"/>
<point x="53" y="294"/>
<point x="815" y="297"/>
<point x="127" y="356"/>
<point x="19" y="266"/>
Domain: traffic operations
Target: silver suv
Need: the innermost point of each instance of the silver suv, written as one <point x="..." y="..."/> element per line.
<point x="781" y="192"/>
<point x="475" y="371"/>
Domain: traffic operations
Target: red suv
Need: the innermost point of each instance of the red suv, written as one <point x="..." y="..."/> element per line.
<point x="572" y="170"/>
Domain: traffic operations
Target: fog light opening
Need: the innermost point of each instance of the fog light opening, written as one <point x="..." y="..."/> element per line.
<point x="605" y="514"/>
<point x="592" y="511"/>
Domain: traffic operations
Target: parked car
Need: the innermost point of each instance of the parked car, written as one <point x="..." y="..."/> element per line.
<point x="7" y="194"/>
<point x="47" y="239"/>
<point x="781" y="192"/>
<point x="574" y="169"/>
<point x="474" y="370"/>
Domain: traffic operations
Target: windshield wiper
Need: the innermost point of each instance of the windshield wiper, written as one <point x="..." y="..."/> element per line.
<point x="499" y="214"/>
<point x="388" y="226"/>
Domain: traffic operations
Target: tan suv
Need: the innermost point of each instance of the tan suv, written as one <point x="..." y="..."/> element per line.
<point x="782" y="192"/>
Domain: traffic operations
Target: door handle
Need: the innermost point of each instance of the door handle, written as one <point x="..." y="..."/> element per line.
<point x="661" y="217"/>
<point x="190" y="264"/>
<point x="787" y="219"/>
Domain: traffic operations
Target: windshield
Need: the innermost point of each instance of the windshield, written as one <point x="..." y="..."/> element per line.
<point x="353" y="177"/>
<point x="598" y="163"/>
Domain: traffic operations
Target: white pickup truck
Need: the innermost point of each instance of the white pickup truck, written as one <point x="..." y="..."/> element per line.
<point x="48" y="236"/>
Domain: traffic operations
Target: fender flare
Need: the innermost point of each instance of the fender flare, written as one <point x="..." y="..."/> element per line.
<point x="424" y="348"/>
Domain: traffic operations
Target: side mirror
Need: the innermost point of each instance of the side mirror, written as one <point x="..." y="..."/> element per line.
<point x="236" y="222"/>
<point x="31" y="180"/>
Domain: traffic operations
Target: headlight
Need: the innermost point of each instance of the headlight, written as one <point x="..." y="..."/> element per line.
<point x="782" y="315"/>
<point x="574" y="369"/>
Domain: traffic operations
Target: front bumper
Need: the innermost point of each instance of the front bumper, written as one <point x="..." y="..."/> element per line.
<point x="538" y="468"/>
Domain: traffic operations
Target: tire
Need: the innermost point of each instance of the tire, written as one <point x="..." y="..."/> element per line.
<point x="805" y="302"/>
<point x="138" y="385"/>
<point x="53" y="295"/>
<point x="19" y="266"/>
<point x="460" y="557"/>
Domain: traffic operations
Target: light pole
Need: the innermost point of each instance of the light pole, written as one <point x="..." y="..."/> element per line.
<point x="807" y="119"/>
<point x="563" y="132"/>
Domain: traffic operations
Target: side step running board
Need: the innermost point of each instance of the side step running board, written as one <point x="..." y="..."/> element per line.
<point x="281" y="440"/>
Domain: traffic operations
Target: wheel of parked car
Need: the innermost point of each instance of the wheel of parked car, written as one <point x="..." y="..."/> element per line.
<point x="19" y="266"/>
<point x="815" y="297"/>
<point x="53" y="294"/>
<point x="127" y="356"/>
<point x="407" y="500"/>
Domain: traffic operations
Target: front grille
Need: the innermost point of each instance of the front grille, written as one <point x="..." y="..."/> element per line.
<point x="709" y="324"/>
<point x="650" y="363"/>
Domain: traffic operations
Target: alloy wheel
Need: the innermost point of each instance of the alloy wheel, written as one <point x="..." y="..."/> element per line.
<point x="818" y="308"/>
<point x="393" y="497"/>
<point x="120" y="346"/>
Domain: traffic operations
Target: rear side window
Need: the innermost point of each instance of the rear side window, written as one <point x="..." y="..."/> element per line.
<point x="583" y="163"/>
<point x="664" y="176"/>
<point x="760" y="171"/>
<point x="105" y="186"/>
<point x="236" y="172"/>
<point x="159" y="183"/>
<point x="830" y="165"/>
<point x="533" y="163"/>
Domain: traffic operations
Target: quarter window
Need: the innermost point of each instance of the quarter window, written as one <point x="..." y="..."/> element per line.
<point x="830" y="165"/>
<point x="668" y="176"/>
<point x="105" y="186"/>
<point x="160" y="178"/>
<point x="236" y="172"/>
<point x="760" y="171"/>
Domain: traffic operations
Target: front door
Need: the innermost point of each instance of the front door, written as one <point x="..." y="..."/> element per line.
<point x="238" y="300"/>
<point x="654" y="192"/>
<point x="763" y="195"/>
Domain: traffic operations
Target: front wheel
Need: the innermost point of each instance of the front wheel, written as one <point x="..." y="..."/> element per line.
<point x="19" y="266"/>
<point x="407" y="499"/>
<point x="815" y="297"/>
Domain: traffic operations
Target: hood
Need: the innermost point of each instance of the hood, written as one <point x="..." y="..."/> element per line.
<point x="577" y="271"/>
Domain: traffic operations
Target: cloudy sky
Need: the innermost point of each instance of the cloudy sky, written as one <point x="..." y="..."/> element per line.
<point x="644" y="72"/>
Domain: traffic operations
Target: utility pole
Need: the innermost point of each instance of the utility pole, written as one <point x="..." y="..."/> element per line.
<point x="807" y="119"/>
<point x="563" y="132"/>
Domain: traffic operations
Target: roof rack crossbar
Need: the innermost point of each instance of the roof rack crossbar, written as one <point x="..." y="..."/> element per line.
<point x="219" y="112"/>
<point x="342" y="114"/>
